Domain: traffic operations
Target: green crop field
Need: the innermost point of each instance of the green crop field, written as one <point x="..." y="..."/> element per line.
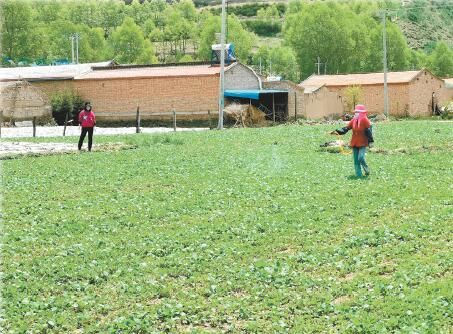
<point x="240" y="231"/>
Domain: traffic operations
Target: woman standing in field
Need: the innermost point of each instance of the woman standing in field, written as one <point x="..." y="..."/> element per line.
<point x="361" y="138"/>
<point x="87" y="120"/>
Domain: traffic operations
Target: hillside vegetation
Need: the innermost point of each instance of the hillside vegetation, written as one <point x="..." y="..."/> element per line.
<point x="422" y="27"/>
<point x="285" y="38"/>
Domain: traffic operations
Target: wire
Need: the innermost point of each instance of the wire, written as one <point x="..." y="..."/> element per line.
<point x="420" y="7"/>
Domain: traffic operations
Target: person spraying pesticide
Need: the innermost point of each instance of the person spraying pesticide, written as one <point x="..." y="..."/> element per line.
<point x="362" y="137"/>
<point x="87" y="120"/>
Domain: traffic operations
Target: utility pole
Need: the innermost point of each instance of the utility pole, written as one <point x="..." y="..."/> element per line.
<point x="384" y="41"/>
<point x="222" y="68"/>
<point x="318" y="64"/>
<point x="77" y="36"/>
<point x="72" y="49"/>
<point x="226" y="28"/>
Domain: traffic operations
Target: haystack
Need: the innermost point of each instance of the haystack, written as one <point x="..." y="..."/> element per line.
<point x="21" y="101"/>
<point x="244" y="115"/>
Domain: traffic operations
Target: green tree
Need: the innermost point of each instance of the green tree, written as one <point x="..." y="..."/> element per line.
<point x="260" y="60"/>
<point x="16" y="27"/>
<point x="148" y="27"/>
<point x="187" y="9"/>
<point x="316" y="31"/>
<point x="417" y="60"/>
<point x="53" y="41"/>
<point x="84" y="12"/>
<point x="353" y="95"/>
<point x="112" y="15"/>
<point x="398" y="53"/>
<point x="186" y="59"/>
<point x="128" y="45"/>
<point x="241" y="38"/>
<point x="139" y="12"/>
<point x="441" y="60"/>
<point x="267" y="22"/>
<point x="47" y="11"/>
<point x="416" y="10"/>
<point x="277" y="61"/>
<point x="269" y="13"/>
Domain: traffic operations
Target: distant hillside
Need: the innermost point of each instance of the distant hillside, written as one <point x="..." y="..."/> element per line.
<point x="423" y="24"/>
<point x="207" y="3"/>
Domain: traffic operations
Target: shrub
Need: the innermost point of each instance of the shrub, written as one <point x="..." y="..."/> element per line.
<point x="264" y="28"/>
<point x="66" y="102"/>
<point x="353" y="96"/>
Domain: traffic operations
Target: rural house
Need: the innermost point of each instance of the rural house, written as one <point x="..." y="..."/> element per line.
<point x="295" y="100"/>
<point x="410" y="92"/>
<point x="190" y="89"/>
<point x="319" y="102"/>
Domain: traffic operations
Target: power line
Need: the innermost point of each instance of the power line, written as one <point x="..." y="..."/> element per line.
<point x="402" y="9"/>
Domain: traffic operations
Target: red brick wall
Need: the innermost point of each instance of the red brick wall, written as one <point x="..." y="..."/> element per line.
<point x="373" y="98"/>
<point x="115" y="98"/>
<point x="420" y="93"/>
<point x="51" y="87"/>
<point x="405" y="99"/>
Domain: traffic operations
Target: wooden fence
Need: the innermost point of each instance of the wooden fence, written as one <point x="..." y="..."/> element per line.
<point x="173" y="115"/>
<point x="138" y="115"/>
<point x="33" y="122"/>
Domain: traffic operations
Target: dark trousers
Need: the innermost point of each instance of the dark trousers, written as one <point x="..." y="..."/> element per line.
<point x="82" y="138"/>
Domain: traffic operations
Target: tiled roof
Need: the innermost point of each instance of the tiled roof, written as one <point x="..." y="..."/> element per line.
<point x="312" y="89"/>
<point x="32" y="73"/>
<point x="359" y="79"/>
<point x="152" y="72"/>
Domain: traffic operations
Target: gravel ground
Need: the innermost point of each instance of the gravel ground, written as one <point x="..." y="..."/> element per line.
<point x="14" y="148"/>
<point x="8" y="149"/>
<point x="57" y="131"/>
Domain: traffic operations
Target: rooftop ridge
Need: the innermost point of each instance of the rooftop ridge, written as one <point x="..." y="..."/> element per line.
<point x="192" y="63"/>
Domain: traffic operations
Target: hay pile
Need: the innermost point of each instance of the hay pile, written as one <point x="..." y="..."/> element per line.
<point x="244" y="115"/>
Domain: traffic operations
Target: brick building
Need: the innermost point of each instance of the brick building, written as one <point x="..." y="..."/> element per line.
<point x="49" y="73"/>
<point x="192" y="90"/>
<point x="295" y="95"/>
<point x="410" y="93"/>
<point x="320" y="103"/>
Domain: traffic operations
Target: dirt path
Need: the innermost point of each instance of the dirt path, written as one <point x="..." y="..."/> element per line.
<point x="57" y="131"/>
<point x="14" y="148"/>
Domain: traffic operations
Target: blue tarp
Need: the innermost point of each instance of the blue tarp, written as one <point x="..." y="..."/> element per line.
<point x="253" y="94"/>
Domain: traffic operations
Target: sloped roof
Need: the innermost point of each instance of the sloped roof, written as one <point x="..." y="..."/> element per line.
<point x="312" y="89"/>
<point x="57" y="72"/>
<point x="152" y="72"/>
<point x="359" y="79"/>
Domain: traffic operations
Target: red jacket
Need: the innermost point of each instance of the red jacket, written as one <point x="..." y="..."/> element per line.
<point x="359" y="138"/>
<point x="87" y="119"/>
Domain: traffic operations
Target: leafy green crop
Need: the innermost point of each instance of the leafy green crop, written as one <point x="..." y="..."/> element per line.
<point x="240" y="231"/>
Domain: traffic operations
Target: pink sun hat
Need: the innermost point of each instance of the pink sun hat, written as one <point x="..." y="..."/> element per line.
<point x="360" y="108"/>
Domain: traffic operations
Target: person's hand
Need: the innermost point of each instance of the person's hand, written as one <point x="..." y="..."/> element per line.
<point x="370" y="145"/>
<point x="334" y="132"/>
